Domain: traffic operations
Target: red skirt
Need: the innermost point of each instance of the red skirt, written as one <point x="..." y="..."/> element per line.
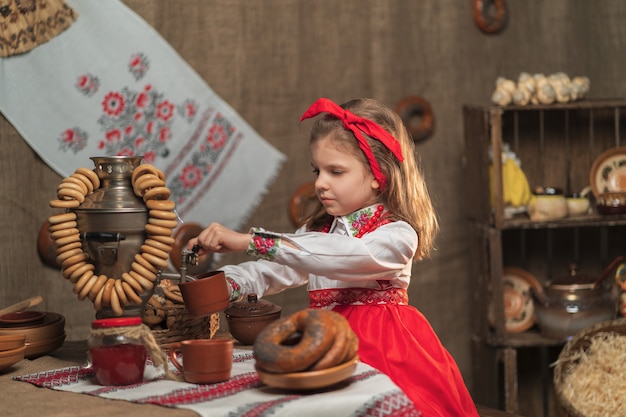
<point x="398" y="341"/>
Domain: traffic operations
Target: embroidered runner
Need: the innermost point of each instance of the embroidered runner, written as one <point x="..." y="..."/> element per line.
<point x="366" y="393"/>
<point x="111" y="85"/>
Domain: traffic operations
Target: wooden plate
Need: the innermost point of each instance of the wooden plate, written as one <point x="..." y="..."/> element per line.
<point x="22" y="318"/>
<point x="53" y="325"/>
<point x="304" y="381"/>
<point x="41" y="347"/>
<point x="11" y="342"/>
<point x="608" y="172"/>
<point x="519" y="308"/>
<point x="11" y="357"/>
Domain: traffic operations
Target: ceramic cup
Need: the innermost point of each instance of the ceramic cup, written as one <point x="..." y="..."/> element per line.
<point x="206" y="295"/>
<point x="204" y="361"/>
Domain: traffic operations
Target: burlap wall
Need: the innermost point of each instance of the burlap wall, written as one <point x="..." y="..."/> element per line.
<point x="271" y="59"/>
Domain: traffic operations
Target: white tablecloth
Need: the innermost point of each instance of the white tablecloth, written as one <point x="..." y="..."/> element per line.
<point x="366" y="393"/>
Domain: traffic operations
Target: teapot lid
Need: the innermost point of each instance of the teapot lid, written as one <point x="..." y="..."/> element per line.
<point x="252" y="307"/>
<point x="573" y="281"/>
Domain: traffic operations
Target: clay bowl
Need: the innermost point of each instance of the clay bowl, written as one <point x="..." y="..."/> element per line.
<point x="13" y="341"/>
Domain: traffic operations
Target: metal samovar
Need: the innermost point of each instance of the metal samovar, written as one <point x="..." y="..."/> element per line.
<point x="112" y="222"/>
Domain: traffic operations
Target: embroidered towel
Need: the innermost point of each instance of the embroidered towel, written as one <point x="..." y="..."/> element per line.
<point x="111" y="85"/>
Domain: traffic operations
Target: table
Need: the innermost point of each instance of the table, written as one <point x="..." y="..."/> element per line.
<point x="22" y="399"/>
<point x="25" y="399"/>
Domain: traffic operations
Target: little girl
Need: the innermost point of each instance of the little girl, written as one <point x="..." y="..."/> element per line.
<point x="356" y="249"/>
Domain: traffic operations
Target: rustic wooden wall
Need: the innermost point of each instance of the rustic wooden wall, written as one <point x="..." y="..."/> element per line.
<point x="270" y="59"/>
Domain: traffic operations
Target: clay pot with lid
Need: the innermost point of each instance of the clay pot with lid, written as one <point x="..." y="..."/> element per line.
<point x="248" y="317"/>
<point x="569" y="304"/>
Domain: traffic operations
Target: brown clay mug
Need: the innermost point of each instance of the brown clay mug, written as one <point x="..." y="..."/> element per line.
<point x="206" y="295"/>
<point x="205" y="361"/>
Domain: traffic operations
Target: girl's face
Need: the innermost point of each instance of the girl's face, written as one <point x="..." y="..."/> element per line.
<point x="344" y="184"/>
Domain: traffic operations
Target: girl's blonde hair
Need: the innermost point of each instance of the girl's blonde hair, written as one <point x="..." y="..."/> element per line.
<point x="406" y="195"/>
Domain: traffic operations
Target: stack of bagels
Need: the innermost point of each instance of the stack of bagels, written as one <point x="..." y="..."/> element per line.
<point x="308" y="340"/>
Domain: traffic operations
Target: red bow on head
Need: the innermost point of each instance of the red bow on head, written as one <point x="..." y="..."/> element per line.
<point x="356" y="125"/>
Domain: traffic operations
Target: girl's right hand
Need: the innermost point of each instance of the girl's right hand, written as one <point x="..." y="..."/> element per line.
<point x="220" y="239"/>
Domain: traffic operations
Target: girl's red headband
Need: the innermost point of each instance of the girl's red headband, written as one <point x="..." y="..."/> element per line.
<point x="358" y="124"/>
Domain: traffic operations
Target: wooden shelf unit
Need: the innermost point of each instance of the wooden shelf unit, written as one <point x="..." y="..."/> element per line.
<point x="557" y="146"/>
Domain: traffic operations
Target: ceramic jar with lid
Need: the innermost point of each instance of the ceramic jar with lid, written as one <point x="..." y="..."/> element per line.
<point x="248" y="317"/>
<point x="116" y="351"/>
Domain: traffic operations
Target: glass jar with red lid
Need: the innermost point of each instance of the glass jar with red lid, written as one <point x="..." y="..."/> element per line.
<point x="116" y="351"/>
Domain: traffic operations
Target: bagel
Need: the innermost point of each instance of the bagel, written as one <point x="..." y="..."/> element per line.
<point x="97" y="286"/>
<point x="109" y="287"/>
<point x="153" y="312"/>
<point x="74" y="184"/>
<point x="144" y="262"/>
<point x="146" y="169"/>
<point x="91" y="174"/>
<point x="147" y="182"/>
<point x="132" y="282"/>
<point x="490" y="15"/>
<point x="151" y="250"/>
<point x="337" y="353"/>
<point x="121" y="294"/>
<point x="165" y="205"/>
<point x="57" y="234"/>
<point x="85" y="180"/>
<point x="153" y="229"/>
<point x="72" y="245"/>
<point x="168" y="240"/>
<point x="157" y="193"/>
<point x="64" y="203"/>
<point x="163" y="222"/>
<point x="162" y="214"/>
<point x="89" y="284"/>
<point x="415" y="107"/>
<point x="296" y="342"/>
<point x="173" y="293"/>
<point x="62" y="218"/>
<point x="67" y="272"/>
<point x="158" y="245"/>
<point x="131" y="295"/>
<point x="61" y="226"/>
<point x="70" y="194"/>
<point x="97" y="301"/>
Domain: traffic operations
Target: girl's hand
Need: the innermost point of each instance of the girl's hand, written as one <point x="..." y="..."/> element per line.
<point x="217" y="238"/>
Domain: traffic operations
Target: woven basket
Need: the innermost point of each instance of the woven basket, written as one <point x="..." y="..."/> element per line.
<point x="568" y="359"/>
<point x="177" y="325"/>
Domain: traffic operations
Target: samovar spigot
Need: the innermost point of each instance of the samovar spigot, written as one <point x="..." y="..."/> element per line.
<point x="188" y="257"/>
